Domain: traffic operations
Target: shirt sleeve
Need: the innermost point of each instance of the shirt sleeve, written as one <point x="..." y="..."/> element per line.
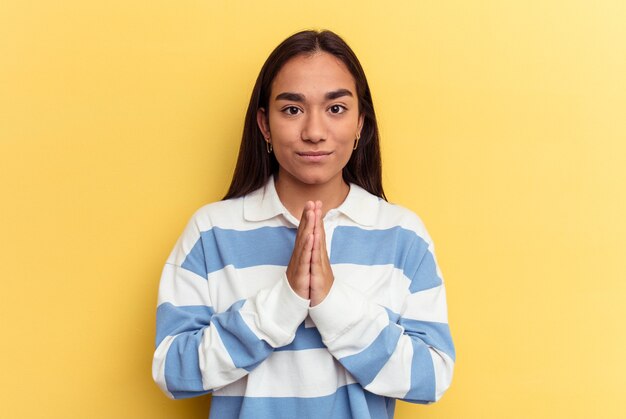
<point x="407" y="355"/>
<point x="198" y="349"/>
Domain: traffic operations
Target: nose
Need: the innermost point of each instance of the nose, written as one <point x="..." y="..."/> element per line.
<point x="314" y="129"/>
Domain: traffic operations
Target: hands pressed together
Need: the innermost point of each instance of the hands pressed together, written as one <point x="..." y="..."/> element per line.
<point x="309" y="272"/>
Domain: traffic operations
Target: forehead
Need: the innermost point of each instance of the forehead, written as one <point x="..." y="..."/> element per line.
<point x="312" y="75"/>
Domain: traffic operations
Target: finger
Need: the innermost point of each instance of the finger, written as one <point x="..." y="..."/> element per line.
<point x="309" y="227"/>
<point x="316" y="254"/>
<point x="306" y="254"/>
<point x="319" y="225"/>
<point x="299" y="268"/>
<point x="321" y="274"/>
<point x="322" y="231"/>
<point x="309" y="205"/>
<point x="315" y="259"/>
<point x="305" y="267"/>
<point x="303" y="258"/>
<point x="320" y="256"/>
<point x="317" y="214"/>
<point x="307" y="222"/>
<point x="318" y="233"/>
<point x="305" y="227"/>
<point x="318" y="211"/>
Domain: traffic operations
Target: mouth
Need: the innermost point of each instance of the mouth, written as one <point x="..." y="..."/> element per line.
<point x="313" y="153"/>
<point x="314" y="156"/>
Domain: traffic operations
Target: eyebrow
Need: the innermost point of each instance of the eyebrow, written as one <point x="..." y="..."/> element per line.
<point x="336" y="94"/>
<point x="299" y="97"/>
<point x="292" y="97"/>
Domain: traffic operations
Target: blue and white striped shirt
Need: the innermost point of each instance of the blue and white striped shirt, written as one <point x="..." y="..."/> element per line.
<point x="229" y="323"/>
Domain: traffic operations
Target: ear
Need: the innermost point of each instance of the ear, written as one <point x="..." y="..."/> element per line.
<point x="359" y="126"/>
<point x="263" y="122"/>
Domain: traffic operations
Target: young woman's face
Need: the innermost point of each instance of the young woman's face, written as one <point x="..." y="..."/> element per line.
<point x="312" y="119"/>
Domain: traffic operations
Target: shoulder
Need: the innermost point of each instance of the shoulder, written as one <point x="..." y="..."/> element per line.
<point x="370" y="212"/>
<point x="390" y="215"/>
<point x="224" y="214"/>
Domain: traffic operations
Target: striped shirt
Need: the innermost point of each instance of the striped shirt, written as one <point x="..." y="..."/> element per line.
<point x="229" y="324"/>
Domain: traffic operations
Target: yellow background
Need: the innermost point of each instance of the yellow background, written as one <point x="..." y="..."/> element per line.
<point x="503" y="126"/>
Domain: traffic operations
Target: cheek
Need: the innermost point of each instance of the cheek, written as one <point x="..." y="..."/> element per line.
<point x="283" y="162"/>
<point x="346" y="133"/>
<point x="280" y="126"/>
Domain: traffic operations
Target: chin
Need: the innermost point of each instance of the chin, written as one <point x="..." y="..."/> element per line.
<point x="314" y="179"/>
<point x="311" y="176"/>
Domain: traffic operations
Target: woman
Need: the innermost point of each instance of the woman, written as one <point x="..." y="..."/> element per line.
<point x="304" y="292"/>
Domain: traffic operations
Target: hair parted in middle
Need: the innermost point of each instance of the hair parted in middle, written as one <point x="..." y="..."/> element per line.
<point x="255" y="165"/>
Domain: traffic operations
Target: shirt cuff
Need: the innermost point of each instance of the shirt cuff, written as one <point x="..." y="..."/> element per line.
<point x="342" y="308"/>
<point x="279" y="312"/>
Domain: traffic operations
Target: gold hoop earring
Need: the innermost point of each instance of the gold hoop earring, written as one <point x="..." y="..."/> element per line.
<point x="356" y="141"/>
<point x="268" y="146"/>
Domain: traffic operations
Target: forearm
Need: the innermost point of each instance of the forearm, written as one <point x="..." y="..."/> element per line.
<point x="199" y="351"/>
<point x="387" y="354"/>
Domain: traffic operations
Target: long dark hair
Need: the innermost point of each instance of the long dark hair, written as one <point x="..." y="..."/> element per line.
<point x="255" y="165"/>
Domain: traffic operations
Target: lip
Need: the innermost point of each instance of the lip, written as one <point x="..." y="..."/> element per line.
<point x="314" y="156"/>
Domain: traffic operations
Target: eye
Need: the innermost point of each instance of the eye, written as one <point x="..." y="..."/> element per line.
<point x="337" y="109"/>
<point x="292" y="110"/>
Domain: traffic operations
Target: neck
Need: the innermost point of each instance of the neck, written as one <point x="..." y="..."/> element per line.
<point x="294" y="194"/>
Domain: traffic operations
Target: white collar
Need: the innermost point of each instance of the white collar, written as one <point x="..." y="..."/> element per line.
<point x="263" y="204"/>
